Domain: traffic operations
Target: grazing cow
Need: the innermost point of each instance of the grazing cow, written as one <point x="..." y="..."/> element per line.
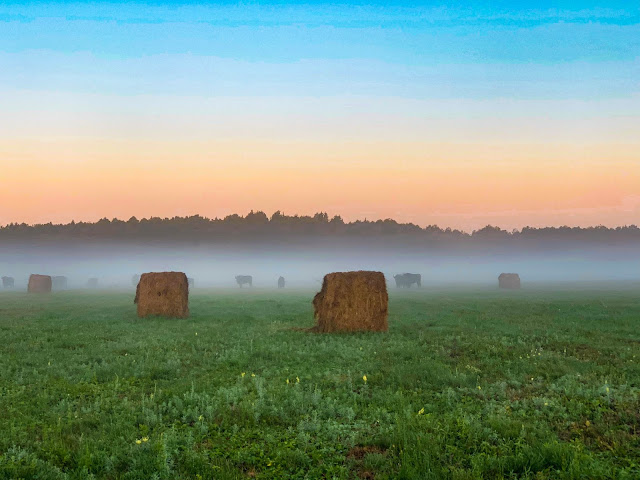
<point x="92" y="283"/>
<point x="509" y="280"/>
<point x="244" y="279"/>
<point x="135" y="280"/>
<point x="192" y="282"/>
<point x="405" y="280"/>
<point x="281" y="282"/>
<point x="8" y="282"/>
<point x="59" y="283"/>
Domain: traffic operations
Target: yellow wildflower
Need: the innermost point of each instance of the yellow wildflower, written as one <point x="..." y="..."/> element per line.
<point x="297" y="379"/>
<point x="587" y="423"/>
<point x="145" y="439"/>
<point x="242" y="374"/>
<point x="287" y="381"/>
<point x="607" y="389"/>
<point x="479" y="387"/>
<point x="364" y="377"/>
<point x="253" y="374"/>
<point x="421" y="411"/>
<point x="138" y="441"/>
<point x="200" y="418"/>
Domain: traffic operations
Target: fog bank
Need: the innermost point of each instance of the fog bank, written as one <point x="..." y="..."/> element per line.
<point x="216" y="266"/>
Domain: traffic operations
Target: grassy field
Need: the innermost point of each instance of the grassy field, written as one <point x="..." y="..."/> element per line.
<point x="467" y="384"/>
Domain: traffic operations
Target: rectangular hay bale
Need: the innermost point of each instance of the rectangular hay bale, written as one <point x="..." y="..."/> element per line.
<point x="509" y="280"/>
<point x="163" y="293"/>
<point x="39" y="284"/>
<point x="59" y="282"/>
<point x="352" y="302"/>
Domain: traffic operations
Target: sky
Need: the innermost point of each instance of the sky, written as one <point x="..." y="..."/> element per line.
<point x="459" y="115"/>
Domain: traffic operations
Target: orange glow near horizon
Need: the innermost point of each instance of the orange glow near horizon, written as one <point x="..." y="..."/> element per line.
<point x="462" y="186"/>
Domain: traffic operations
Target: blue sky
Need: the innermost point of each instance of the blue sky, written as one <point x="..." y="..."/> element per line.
<point x="477" y="83"/>
<point x="573" y="31"/>
<point x="478" y="50"/>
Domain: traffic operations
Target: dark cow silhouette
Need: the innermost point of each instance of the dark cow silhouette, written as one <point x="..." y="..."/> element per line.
<point x="192" y="282"/>
<point x="509" y="280"/>
<point x="135" y="280"/>
<point x="244" y="279"/>
<point x="59" y="282"/>
<point x="8" y="282"/>
<point x="281" y="282"/>
<point x="405" y="280"/>
<point x="92" y="283"/>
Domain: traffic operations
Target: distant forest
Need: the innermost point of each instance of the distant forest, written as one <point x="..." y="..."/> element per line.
<point x="258" y="228"/>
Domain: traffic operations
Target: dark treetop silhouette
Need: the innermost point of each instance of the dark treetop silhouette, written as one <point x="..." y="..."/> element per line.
<point x="256" y="228"/>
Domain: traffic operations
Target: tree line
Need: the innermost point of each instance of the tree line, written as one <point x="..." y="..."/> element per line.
<point x="258" y="227"/>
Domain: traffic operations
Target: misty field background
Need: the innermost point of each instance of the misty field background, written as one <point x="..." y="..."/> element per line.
<point x="468" y="383"/>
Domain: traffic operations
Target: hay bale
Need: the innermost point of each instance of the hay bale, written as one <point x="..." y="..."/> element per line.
<point x="39" y="284"/>
<point x="281" y="282"/>
<point x="92" y="283"/>
<point x="509" y="280"/>
<point x="59" y="282"/>
<point x="8" y="282"/>
<point x="163" y="293"/>
<point x="352" y="302"/>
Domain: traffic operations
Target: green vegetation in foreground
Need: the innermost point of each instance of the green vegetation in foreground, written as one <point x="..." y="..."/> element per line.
<point x="466" y="385"/>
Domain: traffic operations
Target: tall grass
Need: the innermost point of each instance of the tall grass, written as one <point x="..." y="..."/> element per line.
<point x="467" y="384"/>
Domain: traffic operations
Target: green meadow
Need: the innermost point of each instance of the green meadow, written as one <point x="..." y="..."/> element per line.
<point x="467" y="384"/>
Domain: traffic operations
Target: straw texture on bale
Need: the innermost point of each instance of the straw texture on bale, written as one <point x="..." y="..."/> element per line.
<point x="163" y="293"/>
<point x="39" y="284"/>
<point x="509" y="280"/>
<point x="352" y="302"/>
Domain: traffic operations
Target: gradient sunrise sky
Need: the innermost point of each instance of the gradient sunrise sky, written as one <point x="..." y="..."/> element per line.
<point x="459" y="115"/>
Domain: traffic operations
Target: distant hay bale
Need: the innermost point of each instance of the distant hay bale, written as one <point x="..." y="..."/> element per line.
<point x="352" y="302"/>
<point x="163" y="293"/>
<point x="39" y="284"/>
<point x="281" y="282"/>
<point x="59" y="282"/>
<point x="509" y="280"/>
<point x="92" y="283"/>
<point x="8" y="282"/>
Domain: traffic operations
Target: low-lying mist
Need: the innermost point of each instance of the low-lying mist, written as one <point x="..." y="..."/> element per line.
<point x="216" y="266"/>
